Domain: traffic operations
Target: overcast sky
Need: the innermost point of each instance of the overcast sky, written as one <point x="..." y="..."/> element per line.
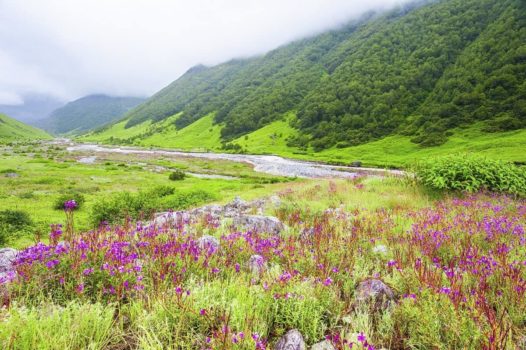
<point x="71" y="48"/>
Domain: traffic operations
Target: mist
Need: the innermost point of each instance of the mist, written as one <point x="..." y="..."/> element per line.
<point x="68" y="49"/>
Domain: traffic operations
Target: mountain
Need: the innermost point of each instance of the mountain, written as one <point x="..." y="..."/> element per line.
<point x="35" y="107"/>
<point x="87" y="113"/>
<point x="422" y="72"/>
<point x="14" y="130"/>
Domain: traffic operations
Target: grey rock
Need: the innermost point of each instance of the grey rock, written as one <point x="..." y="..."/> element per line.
<point x="257" y="264"/>
<point x="260" y="223"/>
<point x="11" y="175"/>
<point x="177" y="217"/>
<point x="209" y="243"/>
<point x="380" y="249"/>
<point x="276" y="201"/>
<point x="375" y="293"/>
<point x="356" y="164"/>
<point x="7" y="257"/>
<point x="324" y="345"/>
<point x="293" y="340"/>
<point x="236" y="207"/>
<point x="307" y="234"/>
<point x="213" y="209"/>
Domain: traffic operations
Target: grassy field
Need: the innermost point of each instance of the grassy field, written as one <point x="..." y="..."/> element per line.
<point x="392" y="151"/>
<point x="44" y="174"/>
<point x="125" y="287"/>
<point x="11" y="130"/>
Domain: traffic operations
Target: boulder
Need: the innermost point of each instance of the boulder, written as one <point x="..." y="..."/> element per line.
<point x="213" y="209"/>
<point x="374" y="293"/>
<point x="380" y="249"/>
<point x="275" y="201"/>
<point x="260" y="223"/>
<point x="209" y="243"/>
<point x="356" y="164"/>
<point x="7" y="257"/>
<point x="11" y="175"/>
<point x="324" y="345"/>
<point x="237" y="207"/>
<point x="257" y="264"/>
<point x="177" y="217"/>
<point x="293" y="340"/>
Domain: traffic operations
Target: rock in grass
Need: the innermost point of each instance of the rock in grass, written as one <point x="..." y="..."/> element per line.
<point x="260" y="223"/>
<point x="209" y="243"/>
<point x="237" y="207"/>
<point x="374" y="293"/>
<point x="293" y="340"/>
<point x="324" y="345"/>
<point x="257" y="264"/>
<point x="7" y="257"/>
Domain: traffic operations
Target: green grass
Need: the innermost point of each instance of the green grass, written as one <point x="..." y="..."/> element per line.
<point x="13" y="130"/>
<point x="201" y="135"/>
<point x="117" y="131"/>
<point x="41" y="181"/>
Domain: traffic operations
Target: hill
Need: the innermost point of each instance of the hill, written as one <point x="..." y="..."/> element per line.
<point x="421" y="73"/>
<point x="13" y="130"/>
<point x="87" y="113"/>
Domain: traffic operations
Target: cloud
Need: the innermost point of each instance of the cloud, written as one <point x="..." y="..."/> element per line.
<point x="135" y="47"/>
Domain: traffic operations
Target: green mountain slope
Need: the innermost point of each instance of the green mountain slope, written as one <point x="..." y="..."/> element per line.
<point x="418" y="73"/>
<point x="88" y="113"/>
<point x="13" y="130"/>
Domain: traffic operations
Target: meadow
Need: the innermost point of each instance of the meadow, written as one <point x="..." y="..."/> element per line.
<point x="454" y="266"/>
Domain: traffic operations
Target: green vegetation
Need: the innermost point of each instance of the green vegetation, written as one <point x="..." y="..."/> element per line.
<point x="142" y="205"/>
<point x="177" y="175"/>
<point x="419" y="71"/>
<point x="472" y="174"/>
<point x="47" y="176"/>
<point x="13" y="130"/>
<point x="88" y="113"/>
<point x="13" y="223"/>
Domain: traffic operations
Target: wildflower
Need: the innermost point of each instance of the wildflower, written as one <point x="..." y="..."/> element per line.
<point x="361" y="338"/>
<point x="70" y="205"/>
<point x="80" y="288"/>
<point x="328" y="281"/>
<point x="87" y="272"/>
<point x="202" y="312"/>
<point x="52" y="263"/>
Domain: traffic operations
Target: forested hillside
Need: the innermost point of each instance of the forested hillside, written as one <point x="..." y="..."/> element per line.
<point x="420" y="70"/>
<point x="13" y="130"/>
<point x="87" y="113"/>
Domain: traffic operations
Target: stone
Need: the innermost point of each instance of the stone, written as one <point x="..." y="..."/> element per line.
<point x="260" y="223"/>
<point x="375" y="293"/>
<point x="209" y="243"/>
<point x="276" y="201"/>
<point x="307" y="234"/>
<point x="324" y="345"/>
<point x="293" y="340"/>
<point x="213" y="209"/>
<point x="177" y="217"/>
<point x="237" y="207"/>
<point x="356" y="164"/>
<point x="380" y="249"/>
<point x="11" y="175"/>
<point x="257" y="264"/>
<point x="7" y="257"/>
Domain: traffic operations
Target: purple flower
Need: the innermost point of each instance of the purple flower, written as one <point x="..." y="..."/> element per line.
<point x="361" y="338"/>
<point x="70" y="205"/>
<point x="328" y="281"/>
<point x="52" y="263"/>
<point x="87" y="272"/>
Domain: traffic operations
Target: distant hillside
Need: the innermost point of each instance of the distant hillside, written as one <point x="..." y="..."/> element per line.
<point x="35" y="108"/>
<point x="88" y="113"/>
<point x="14" y="130"/>
<point x="419" y="72"/>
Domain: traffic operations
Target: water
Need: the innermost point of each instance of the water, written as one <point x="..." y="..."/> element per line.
<point x="268" y="164"/>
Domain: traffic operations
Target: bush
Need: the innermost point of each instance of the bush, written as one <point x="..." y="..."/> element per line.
<point x="76" y="196"/>
<point x="177" y="175"/>
<point x="12" y="223"/>
<point x="123" y="205"/>
<point x="469" y="173"/>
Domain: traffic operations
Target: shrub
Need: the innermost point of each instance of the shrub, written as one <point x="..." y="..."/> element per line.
<point x="469" y="173"/>
<point x="76" y="196"/>
<point x="177" y="175"/>
<point x="122" y="205"/>
<point x="12" y="223"/>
